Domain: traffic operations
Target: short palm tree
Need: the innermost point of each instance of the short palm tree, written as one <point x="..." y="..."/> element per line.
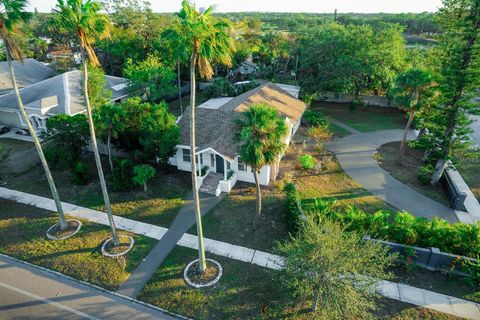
<point x="83" y="17"/>
<point x="261" y="133"/>
<point x="12" y="12"/>
<point x="208" y="41"/>
<point x="412" y="92"/>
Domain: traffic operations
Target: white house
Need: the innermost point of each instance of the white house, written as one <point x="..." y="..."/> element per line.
<point x="217" y="150"/>
<point x="61" y="94"/>
<point x="27" y="73"/>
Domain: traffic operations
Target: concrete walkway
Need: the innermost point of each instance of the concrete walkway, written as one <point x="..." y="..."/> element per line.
<point x="185" y="220"/>
<point x="28" y="292"/>
<point x="355" y="155"/>
<point x="415" y="296"/>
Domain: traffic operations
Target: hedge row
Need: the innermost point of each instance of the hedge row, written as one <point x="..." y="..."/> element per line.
<point x="400" y="227"/>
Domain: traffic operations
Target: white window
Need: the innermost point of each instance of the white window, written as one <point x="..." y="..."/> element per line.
<point x="228" y="165"/>
<point x="241" y="166"/>
<point x="186" y="155"/>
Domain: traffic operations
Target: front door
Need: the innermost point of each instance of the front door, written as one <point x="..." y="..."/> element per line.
<point x="219" y="162"/>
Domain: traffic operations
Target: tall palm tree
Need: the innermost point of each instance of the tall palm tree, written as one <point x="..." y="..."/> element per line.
<point x="178" y="47"/>
<point x="412" y="92"/>
<point x="12" y="12"/>
<point x="208" y="41"/>
<point x="83" y="17"/>
<point x="261" y="134"/>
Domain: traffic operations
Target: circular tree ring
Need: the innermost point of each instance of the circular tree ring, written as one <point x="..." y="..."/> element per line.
<point x="205" y="284"/>
<point x="68" y="235"/>
<point x="105" y="244"/>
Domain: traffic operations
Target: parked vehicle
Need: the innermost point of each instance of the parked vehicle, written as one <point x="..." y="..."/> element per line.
<point x="23" y="132"/>
<point x="4" y="129"/>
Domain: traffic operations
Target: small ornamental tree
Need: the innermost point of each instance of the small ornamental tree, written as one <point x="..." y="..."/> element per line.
<point x="110" y="122"/>
<point x="143" y="173"/>
<point x="334" y="269"/>
<point x="67" y="137"/>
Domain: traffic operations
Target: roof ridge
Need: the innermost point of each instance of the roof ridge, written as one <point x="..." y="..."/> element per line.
<point x="66" y="91"/>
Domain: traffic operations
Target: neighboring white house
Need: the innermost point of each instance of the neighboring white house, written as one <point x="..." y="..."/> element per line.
<point x="217" y="150"/>
<point x="61" y="94"/>
<point x="27" y="73"/>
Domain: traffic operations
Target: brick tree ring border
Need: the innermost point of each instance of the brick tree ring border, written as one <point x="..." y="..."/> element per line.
<point x="203" y="285"/>
<point x="115" y="255"/>
<point x="51" y="237"/>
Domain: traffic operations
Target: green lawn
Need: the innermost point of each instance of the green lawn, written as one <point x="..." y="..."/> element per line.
<point x="165" y="196"/>
<point x="245" y="291"/>
<point x="364" y="119"/>
<point x="14" y="146"/>
<point x="469" y="169"/>
<point x="234" y="219"/>
<point x="22" y="235"/>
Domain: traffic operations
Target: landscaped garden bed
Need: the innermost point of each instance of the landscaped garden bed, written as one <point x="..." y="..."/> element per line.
<point x="407" y="172"/>
<point x="22" y="235"/>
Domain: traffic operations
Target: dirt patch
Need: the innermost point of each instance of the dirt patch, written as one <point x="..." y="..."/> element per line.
<point x="387" y="158"/>
<point x="125" y="244"/>
<point x="57" y="232"/>
<point x="209" y="274"/>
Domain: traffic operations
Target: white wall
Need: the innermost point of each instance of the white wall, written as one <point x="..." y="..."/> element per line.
<point x="10" y="119"/>
<point x="247" y="176"/>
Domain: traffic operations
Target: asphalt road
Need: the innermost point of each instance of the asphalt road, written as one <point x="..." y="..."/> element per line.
<point x="29" y="293"/>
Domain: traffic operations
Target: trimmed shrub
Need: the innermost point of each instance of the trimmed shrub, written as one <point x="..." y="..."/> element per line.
<point x="314" y="118"/>
<point x="425" y="173"/>
<point x="307" y="161"/>
<point x="81" y="173"/>
<point x="293" y="215"/>
<point x="401" y="227"/>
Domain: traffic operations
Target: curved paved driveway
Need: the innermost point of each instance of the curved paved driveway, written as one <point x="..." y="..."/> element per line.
<point x="355" y="155"/>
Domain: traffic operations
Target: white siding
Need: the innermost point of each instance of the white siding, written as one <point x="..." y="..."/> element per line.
<point x="10" y="119"/>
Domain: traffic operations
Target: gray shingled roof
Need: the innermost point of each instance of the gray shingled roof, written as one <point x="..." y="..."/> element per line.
<point x="28" y="73"/>
<point x="215" y="127"/>
<point x="65" y="89"/>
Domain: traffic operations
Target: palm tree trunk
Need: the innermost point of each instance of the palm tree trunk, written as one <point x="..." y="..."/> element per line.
<point x="109" y="148"/>
<point x="179" y="88"/>
<point x="404" y="140"/>
<point x="98" y="162"/>
<point x="145" y="187"/>
<point x="38" y="146"/>
<point x="258" y="208"/>
<point x="202" y="265"/>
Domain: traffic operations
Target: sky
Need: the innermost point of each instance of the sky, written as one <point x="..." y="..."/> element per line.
<point x="320" y="6"/>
